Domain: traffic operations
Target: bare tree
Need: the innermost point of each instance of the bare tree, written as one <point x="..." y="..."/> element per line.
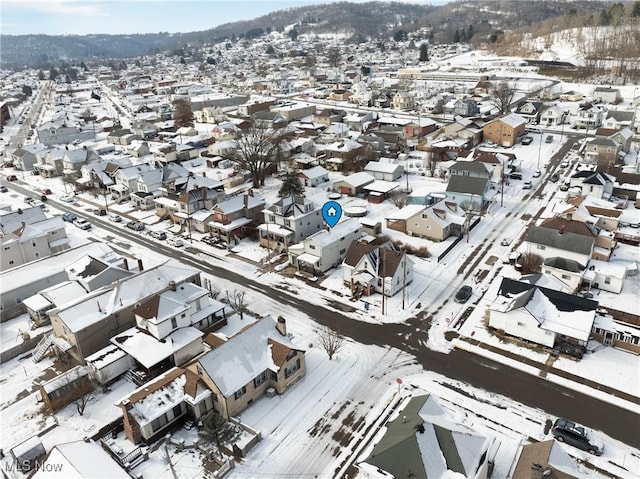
<point x="471" y="211"/>
<point x="80" y="387"/>
<point x="530" y="262"/>
<point x="237" y="301"/>
<point x="330" y="340"/>
<point x="182" y="113"/>
<point x="502" y="96"/>
<point x="400" y="199"/>
<point x="259" y="150"/>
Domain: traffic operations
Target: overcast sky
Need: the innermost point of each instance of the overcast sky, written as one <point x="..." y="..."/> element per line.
<point x="60" y="17"/>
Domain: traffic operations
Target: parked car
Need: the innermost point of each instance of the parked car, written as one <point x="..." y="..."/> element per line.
<point x="69" y="217"/>
<point x="564" y="164"/>
<point x="30" y="201"/>
<point x="548" y="139"/>
<point x="555" y="177"/>
<point x="159" y="235"/>
<point x="44" y="198"/>
<point x="463" y="294"/>
<point x="567" y="431"/>
<point x="505" y="241"/>
<point x="12" y="178"/>
<point x="175" y="241"/>
<point x="564" y="187"/>
<point x="67" y="198"/>
<point x="115" y="218"/>
<point x="82" y="224"/>
<point x="537" y="174"/>
<point x="46" y="191"/>
<point x="527" y="185"/>
<point x="135" y="226"/>
<point x="100" y="212"/>
<point x="527" y="140"/>
<point x="3" y="189"/>
<point x="515" y="176"/>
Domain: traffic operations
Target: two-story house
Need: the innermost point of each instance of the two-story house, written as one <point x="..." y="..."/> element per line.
<point x="530" y="111"/>
<point x="466" y="107"/>
<point x="289" y="221"/>
<point x="325" y="249"/>
<point x="590" y="116"/>
<point x="619" y="119"/>
<point x="506" y="130"/>
<point x="435" y="222"/>
<point x="236" y="217"/>
<point x="467" y="129"/>
<point x="313" y="176"/>
<point x="469" y="185"/>
<point x="552" y="115"/>
<point x="403" y="100"/>
<point x="33" y="241"/>
<point x="602" y="151"/>
<point x="595" y="184"/>
<point x="369" y="269"/>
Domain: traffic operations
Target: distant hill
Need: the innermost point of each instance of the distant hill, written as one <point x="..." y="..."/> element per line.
<point x="364" y="20"/>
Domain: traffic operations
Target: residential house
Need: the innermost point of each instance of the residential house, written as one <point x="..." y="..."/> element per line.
<point x="369" y="269"/>
<point x="358" y="121"/>
<point x="90" y="321"/>
<point x="11" y="221"/>
<point x="328" y="116"/>
<point x="470" y="185"/>
<point x="619" y="119"/>
<point x="497" y="163"/>
<point x="346" y="151"/>
<point x="465" y="107"/>
<point x="325" y="249"/>
<point x="52" y="165"/>
<point x="403" y="100"/>
<point x="121" y="137"/>
<point x="616" y="333"/>
<point x="540" y="315"/>
<point x="506" y="130"/>
<point x="292" y="111"/>
<point x="385" y="171"/>
<point x="236" y="217"/>
<point x="353" y="185"/>
<point x="225" y="130"/>
<point x="147" y="188"/>
<point x="552" y="116"/>
<point x="79" y="460"/>
<point x="126" y="180"/>
<point x="605" y="94"/>
<point x="240" y="369"/>
<point x="602" y="151"/>
<point x="74" y="160"/>
<point x="605" y="275"/>
<point x="594" y="184"/>
<point x="253" y="106"/>
<point x="545" y="459"/>
<point x="467" y="129"/>
<point x="590" y="116"/>
<point x="63" y="132"/>
<point x="423" y="440"/>
<point x="28" y="454"/>
<point x="290" y="220"/>
<point x="313" y="176"/>
<point x="599" y="213"/>
<point x="436" y="222"/>
<point x="138" y="149"/>
<point x="561" y="238"/>
<point x="622" y="137"/>
<point x="335" y="132"/>
<point x="26" y="280"/>
<point x="530" y="111"/>
<point x="33" y="241"/>
<point x="24" y="158"/>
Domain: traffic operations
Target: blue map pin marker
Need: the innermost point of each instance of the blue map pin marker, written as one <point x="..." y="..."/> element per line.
<point x="331" y="212"/>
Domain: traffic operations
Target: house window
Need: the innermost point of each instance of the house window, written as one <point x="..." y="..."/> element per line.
<point x="199" y="370"/>
<point x="11" y="262"/>
<point x="566" y="276"/>
<point x="34" y="244"/>
<point x="184" y="315"/>
<point x="18" y="300"/>
<point x="343" y="250"/>
<point x="541" y="246"/>
<point x="607" y="280"/>
<point x="177" y="410"/>
<point x="240" y="392"/>
<point x="174" y="323"/>
<point x="274" y="376"/>
<point x="155" y="424"/>
<point x="292" y="368"/>
<point x="291" y="355"/>
<point x="312" y="246"/>
<point x="258" y="380"/>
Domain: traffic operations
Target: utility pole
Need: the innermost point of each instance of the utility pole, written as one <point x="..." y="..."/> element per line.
<point x="404" y="277"/>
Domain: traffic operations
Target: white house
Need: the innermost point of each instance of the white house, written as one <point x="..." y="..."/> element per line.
<point x="541" y="315"/>
<point x="325" y="249"/>
<point x="314" y="176"/>
<point x="384" y="170"/>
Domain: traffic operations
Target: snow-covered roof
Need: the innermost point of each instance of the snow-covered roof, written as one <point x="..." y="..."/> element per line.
<point x="105" y="356"/>
<point x="357" y="179"/>
<point x="244" y="356"/>
<point x="381" y="167"/>
<point x="324" y="238"/>
<point x="79" y="460"/>
<point x="381" y="186"/>
<point x="65" y="378"/>
<point x="315" y="172"/>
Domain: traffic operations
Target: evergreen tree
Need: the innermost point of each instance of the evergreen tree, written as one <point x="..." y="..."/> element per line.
<point x="456" y="37"/>
<point x="635" y="11"/>
<point x="41" y="75"/>
<point x="291" y="185"/>
<point x="53" y="74"/>
<point x="469" y="33"/>
<point x="217" y="431"/>
<point x="424" y="53"/>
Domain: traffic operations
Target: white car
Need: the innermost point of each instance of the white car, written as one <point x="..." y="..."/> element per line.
<point x="68" y="198"/>
<point x="175" y="241"/>
<point x="115" y="218"/>
<point x="82" y="224"/>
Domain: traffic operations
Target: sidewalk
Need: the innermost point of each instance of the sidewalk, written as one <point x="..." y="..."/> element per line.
<point x="546" y="368"/>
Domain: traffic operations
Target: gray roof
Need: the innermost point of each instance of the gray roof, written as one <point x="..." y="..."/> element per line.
<point x="565" y="241"/>
<point x="467" y="184"/>
<point x="621" y="115"/>
<point x="565" y="264"/>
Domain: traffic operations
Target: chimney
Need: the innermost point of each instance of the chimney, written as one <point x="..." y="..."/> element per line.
<point x="246" y="201"/>
<point x="140" y="267"/>
<point x="281" y="325"/>
<point x="126" y="263"/>
<point x="539" y="472"/>
<point x="561" y="229"/>
<point x="172" y="285"/>
<point x="251" y="192"/>
<point x="204" y="173"/>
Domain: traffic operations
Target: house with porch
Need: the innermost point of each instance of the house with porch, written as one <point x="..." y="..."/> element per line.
<point x="530" y="111"/>
<point x="594" y="184"/>
<point x="590" y="116"/>
<point x="369" y="269"/>
<point x="552" y="115"/>
<point x="602" y="151"/>
<point x="242" y="368"/>
<point x="469" y="185"/>
<point x="540" y="315"/>
<point x="561" y="238"/>
<point x="236" y="217"/>
<point x="619" y="119"/>
<point x="33" y="241"/>
<point x="436" y="222"/>
<point x="325" y="249"/>
<point x="289" y="221"/>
